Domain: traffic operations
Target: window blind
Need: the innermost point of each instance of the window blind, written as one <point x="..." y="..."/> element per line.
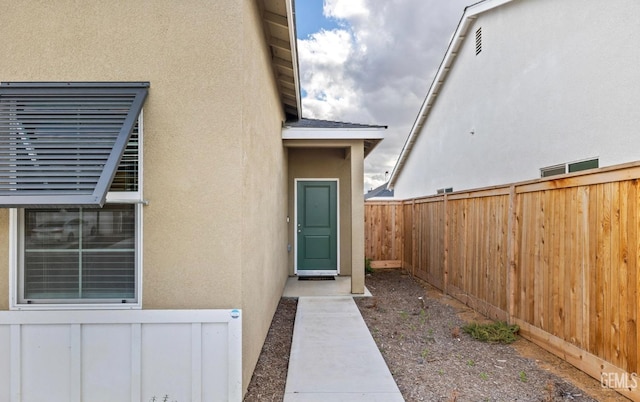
<point x="73" y="254"/>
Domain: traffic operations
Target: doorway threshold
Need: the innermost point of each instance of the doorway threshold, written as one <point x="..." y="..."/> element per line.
<point x="340" y="286"/>
<point x="317" y="278"/>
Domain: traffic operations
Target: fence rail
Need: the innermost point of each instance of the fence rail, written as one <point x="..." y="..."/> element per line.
<point x="560" y="257"/>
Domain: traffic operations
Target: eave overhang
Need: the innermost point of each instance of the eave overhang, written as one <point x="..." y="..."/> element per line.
<point x="279" y="26"/>
<point x="318" y="132"/>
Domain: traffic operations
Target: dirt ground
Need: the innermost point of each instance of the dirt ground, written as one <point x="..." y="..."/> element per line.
<point x="418" y="331"/>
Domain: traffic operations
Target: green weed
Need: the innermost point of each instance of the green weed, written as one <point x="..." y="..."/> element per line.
<point x="496" y="332"/>
<point x="523" y="376"/>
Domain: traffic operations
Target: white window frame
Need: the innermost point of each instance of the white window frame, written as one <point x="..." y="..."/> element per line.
<point x="119" y="197"/>
<point x="565" y="166"/>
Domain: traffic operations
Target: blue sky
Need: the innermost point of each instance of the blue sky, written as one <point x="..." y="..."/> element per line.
<point x="309" y="18"/>
<point x="372" y="62"/>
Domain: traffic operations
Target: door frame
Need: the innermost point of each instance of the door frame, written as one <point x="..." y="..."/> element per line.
<point x="307" y="272"/>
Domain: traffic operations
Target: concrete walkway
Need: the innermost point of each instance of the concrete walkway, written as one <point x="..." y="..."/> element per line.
<point x="334" y="357"/>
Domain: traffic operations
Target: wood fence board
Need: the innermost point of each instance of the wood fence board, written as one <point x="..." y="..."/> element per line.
<point x="633" y="299"/>
<point x="614" y="306"/>
<point x="602" y="261"/>
<point x="593" y="277"/>
<point x="550" y="259"/>
<point x="384" y="264"/>
<point x="523" y="257"/>
<point x="576" y="291"/>
<point x="584" y="235"/>
<point x="513" y="250"/>
<point x="535" y="261"/>
<point x="622" y="271"/>
<point x="606" y="274"/>
<point x="556" y="264"/>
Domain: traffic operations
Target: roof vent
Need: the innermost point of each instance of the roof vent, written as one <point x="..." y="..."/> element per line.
<point x="478" y="41"/>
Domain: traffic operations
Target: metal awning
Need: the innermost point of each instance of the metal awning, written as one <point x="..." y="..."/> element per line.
<point x="61" y="143"/>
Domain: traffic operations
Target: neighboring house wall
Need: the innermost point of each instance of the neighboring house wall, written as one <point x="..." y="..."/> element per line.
<point x="214" y="165"/>
<point x="555" y="82"/>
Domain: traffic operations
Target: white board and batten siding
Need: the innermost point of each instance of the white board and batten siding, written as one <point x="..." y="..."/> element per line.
<point x="187" y="355"/>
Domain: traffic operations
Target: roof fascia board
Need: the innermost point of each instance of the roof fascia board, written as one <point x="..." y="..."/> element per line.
<point x="299" y="133"/>
<point x="470" y="14"/>
<point x="369" y="144"/>
<point x="291" y="20"/>
<point x="484" y="6"/>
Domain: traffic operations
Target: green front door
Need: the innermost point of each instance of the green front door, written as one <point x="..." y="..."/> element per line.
<point x="317" y="228"/>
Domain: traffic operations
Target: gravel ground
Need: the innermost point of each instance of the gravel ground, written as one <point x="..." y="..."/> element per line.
<point x="418" y="330"/>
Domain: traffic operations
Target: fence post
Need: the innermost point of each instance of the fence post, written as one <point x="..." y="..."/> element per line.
<point x="413" y="237"/>
<point x="400" y="227"/>
<point x="512" y="233"/>
<point x="445" y="279"/>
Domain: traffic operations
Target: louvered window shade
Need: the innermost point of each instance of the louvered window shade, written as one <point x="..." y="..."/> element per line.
<point x="61" y="143"/>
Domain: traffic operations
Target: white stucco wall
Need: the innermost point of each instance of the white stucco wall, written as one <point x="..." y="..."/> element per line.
<point x="556" y="82"/>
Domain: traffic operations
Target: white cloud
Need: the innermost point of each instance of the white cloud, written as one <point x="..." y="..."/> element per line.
<point x="345" y="9"/>
<point x="376" y="69"/>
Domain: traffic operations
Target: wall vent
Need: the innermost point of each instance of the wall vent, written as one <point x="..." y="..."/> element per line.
<point x="478" y="41"/>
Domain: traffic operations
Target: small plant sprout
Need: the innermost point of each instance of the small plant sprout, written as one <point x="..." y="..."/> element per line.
<point x="367" y="266"/>
<point x="523" y="376"/>
<point x="424" y="353"/>
<point x="484" y="376"/>
<point x="471" y="363"/>
<point x="404" y="315"/>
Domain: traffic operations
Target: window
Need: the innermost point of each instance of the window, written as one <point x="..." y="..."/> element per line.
<point x="583" y="165"/>
<point x="569" y="167"/>
<point x="81" y="254"/>
<point x="553" y="170"/>
<point x="76" y="246"/>
<point x="444" y="190"/>
<point x="84" y="255"/>
<point x="478" y="41"/>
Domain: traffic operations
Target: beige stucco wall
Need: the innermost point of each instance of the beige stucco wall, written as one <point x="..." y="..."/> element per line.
<point x="215" y="174"/>
<point x="192" y="122"/>
<point x="264" y="197"/>
<point x="327" y="160"/>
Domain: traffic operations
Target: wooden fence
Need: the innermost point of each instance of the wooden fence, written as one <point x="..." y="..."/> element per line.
<point x="559" y="257"/>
